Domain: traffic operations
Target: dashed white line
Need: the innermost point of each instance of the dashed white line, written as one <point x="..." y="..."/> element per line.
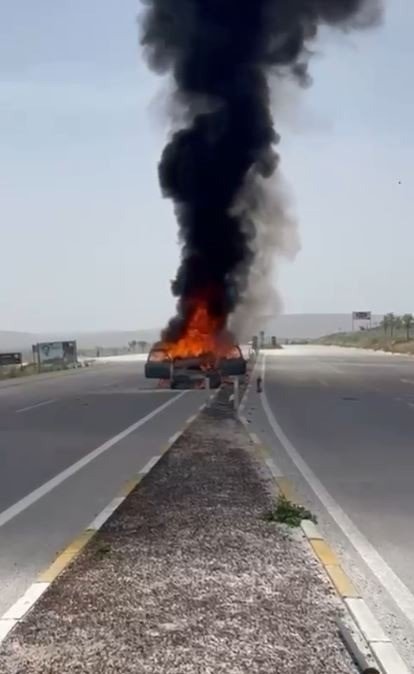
<point x="36" y="406"/>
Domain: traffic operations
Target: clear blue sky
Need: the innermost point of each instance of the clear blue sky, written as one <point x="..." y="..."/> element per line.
<point x="86" y="240"/>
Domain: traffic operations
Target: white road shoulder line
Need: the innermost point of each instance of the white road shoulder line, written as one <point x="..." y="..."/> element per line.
<point x="379" y="567"/>
<point x="47" y="487"/>
<point x="34" y="407"/>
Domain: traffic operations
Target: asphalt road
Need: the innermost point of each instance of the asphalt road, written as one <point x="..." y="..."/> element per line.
<point x="67" y="445"/>
<point x="341" y="425"/>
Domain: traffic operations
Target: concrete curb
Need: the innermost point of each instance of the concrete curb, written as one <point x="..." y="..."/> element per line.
<point x="19" y="610"/>
<point x="370" y="647"/>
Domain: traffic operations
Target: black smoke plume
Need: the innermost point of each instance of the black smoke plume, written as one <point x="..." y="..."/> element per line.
<point x="221" y="54"/>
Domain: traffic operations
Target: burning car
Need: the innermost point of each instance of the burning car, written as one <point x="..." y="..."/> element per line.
<point x="203" y="351"/>
<point x="193" y="370"/>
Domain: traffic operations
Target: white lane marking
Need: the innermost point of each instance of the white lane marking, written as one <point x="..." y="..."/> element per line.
<point x="105" y="514"/>
<point x="22" y="605"/>
<point x="379" y="567"/>
<point x="407" y="381"/>
<point x="35" y="406"/>
<point x="150" y="465"/>
<point x="111" y="390"/>
<point x="322" y="382"/>
<point x="47" y="487"/>
<point x="405" y="401"/>
<point x="334" y="369"/>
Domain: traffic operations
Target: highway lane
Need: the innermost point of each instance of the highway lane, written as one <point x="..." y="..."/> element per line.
<point x="50" y="489"/>
<point x="349" y="415"/>
<point x="16" y="394"/>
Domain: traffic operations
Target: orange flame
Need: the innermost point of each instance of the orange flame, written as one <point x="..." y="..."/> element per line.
<point x="203" y="335"/>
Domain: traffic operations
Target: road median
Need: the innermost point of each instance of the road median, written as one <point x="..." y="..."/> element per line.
<point x="189" y="574"/>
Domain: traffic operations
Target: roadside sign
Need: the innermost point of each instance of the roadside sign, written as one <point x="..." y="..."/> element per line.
<point x="11" y="359"/>
<point x="361" y="315"/>
<point x="55" y="353"/>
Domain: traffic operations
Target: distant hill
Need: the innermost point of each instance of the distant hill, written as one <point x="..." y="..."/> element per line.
<point x="288" y="326"/>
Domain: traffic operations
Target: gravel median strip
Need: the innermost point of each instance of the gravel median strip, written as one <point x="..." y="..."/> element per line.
<point x="189" y="577"/>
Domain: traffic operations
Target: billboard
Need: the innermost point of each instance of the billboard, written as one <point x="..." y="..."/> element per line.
<point x="361" y="316"/>
<point x="11" y="359"/>
<point x="56" y="353"/>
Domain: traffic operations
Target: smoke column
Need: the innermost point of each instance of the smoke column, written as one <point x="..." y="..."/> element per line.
<point x="221" y="55"/>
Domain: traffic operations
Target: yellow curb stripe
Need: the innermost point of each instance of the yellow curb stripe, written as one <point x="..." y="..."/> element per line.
<point x="66" y="557"/>
<point x="324" y="552"/>
<point x="129" y="486"/>
<point x="342" y="584"/>
<point x="287" y="488"/>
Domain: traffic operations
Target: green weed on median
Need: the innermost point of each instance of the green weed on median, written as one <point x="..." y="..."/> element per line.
<point x="286" y="512"/>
